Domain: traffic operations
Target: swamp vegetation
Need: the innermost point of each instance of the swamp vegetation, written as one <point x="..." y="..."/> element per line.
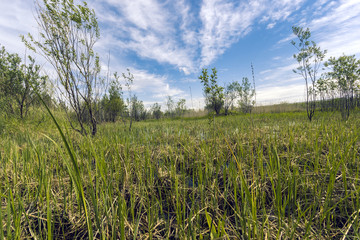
<point x="259" y="176"/>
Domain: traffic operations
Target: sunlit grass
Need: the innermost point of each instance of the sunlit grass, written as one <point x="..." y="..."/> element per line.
<point x="264" y="176"/>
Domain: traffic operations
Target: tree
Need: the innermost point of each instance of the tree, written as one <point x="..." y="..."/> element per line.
<point x="113" y="105"/>
<point x="309" y="59"/>
<point x="170" y="106"/>
<point x="346" y="71"/>
<point x="246" y="93"/>
<point x="253" y="78"/>
<point x="322" y="88"/>
<point x="231" y="93"/>
<point x="180" y="107"/>
<point x="214" y="96"/>
<point x="137" y="110"/>
<point x="67" y="34"/>
<point x="18" y="83"/>
<point x="156" y="110"/>
<point x="129" y="81"/>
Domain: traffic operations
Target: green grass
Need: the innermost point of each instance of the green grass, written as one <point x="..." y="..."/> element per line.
<point x="264" y="176"/>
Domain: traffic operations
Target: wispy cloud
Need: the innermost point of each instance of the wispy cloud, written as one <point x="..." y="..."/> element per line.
<point x="16" y="18"/>
<point x="337" y="31"/>
<point x="171" y="32"/>
<point x="334" y="26"/>
<point x="177" y="33"/>
<point x="281" y="93"/>
<point x="186" y="35"/>
<point x="224" y="22"/>
<point x="151" y="29"/>
<point x="154" y="84"/>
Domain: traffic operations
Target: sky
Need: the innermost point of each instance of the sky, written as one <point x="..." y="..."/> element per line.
<point x="166" y="43"/>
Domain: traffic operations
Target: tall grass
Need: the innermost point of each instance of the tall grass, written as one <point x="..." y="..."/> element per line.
<point x="268" y="176"/>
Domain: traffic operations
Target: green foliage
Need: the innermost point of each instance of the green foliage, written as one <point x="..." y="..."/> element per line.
<point x="175" y="109"/>
<point x="309" y="58"/>
<point x="129" y="81"/>
<point x="327" y="90"/>
<point x="214" y="95"/>
<point x="113" y="105"/>
<point x="18" y="83"/>
<point x="180" y="107"/>
<point x="265" y="176"/>
<point x="67" y="34"/>
<point x="170" y="104"/>
<point x="246" y="94"/>
<point x="346" y="73"/>
<point x="231" y="93"/>
<point x="156" y="111"/>
<point x="137" y="109"/>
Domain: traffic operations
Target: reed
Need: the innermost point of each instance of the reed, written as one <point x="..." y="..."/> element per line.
<point x="264" y="176"/>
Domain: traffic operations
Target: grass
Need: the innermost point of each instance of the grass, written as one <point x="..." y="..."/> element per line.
<point x="264" y="176"/>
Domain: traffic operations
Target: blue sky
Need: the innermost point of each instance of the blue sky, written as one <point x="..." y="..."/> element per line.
<point x="166" y="43"/>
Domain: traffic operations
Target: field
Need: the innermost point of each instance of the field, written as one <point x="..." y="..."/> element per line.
<point x="260" y="176"/>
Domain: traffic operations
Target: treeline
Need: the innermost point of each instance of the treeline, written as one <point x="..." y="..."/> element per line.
<point x="336" y="89"/>
<point x="66" y="38"/>
<point x="21" y="81"/>
<point x="232" y="97"/>
<point x="18" y="83"/>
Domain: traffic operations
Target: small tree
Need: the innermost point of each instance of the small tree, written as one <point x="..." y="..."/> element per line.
<point x="156" y="110"/>
<point x="170" y="106"/>
<point x="346" y="71"/>
<point x="18" y="83"/>
<point x="309" y="59"/>
<point x="246" y="93"/>
<point x="113" y="105"/>
<point x="67" y="34"/>
<point x="180" y="107"/>
<point x="137" y="110"/>
<point x="230" y="95"/>
<point x="129" y="81"/>
<point x="322" y="88"/>
<point x="214" y="96"/>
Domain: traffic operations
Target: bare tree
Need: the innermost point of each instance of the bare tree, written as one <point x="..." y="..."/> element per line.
<point x="67" y="35"/>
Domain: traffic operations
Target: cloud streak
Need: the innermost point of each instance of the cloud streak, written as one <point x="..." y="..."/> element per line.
<point x="179" y="34"/>
<point x="334" y="27"/>
<point x="152" y="30"/>
<point x="224" y="22"/>
<point x="185" y="35"/>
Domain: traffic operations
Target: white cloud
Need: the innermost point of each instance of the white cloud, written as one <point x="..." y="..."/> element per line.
<point x="150" y="29"/>
<point x="16" y="18"/>
<point x="179" y="35"/>
<point x="336" y="30"/>
<point x="170" y="32"/>
<point x="270" y="25"/>
<point x="281" y="93"/>
<point x="156" y="85"/>
<point x="334" y="27"/>
<point x="224" y="22"/>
